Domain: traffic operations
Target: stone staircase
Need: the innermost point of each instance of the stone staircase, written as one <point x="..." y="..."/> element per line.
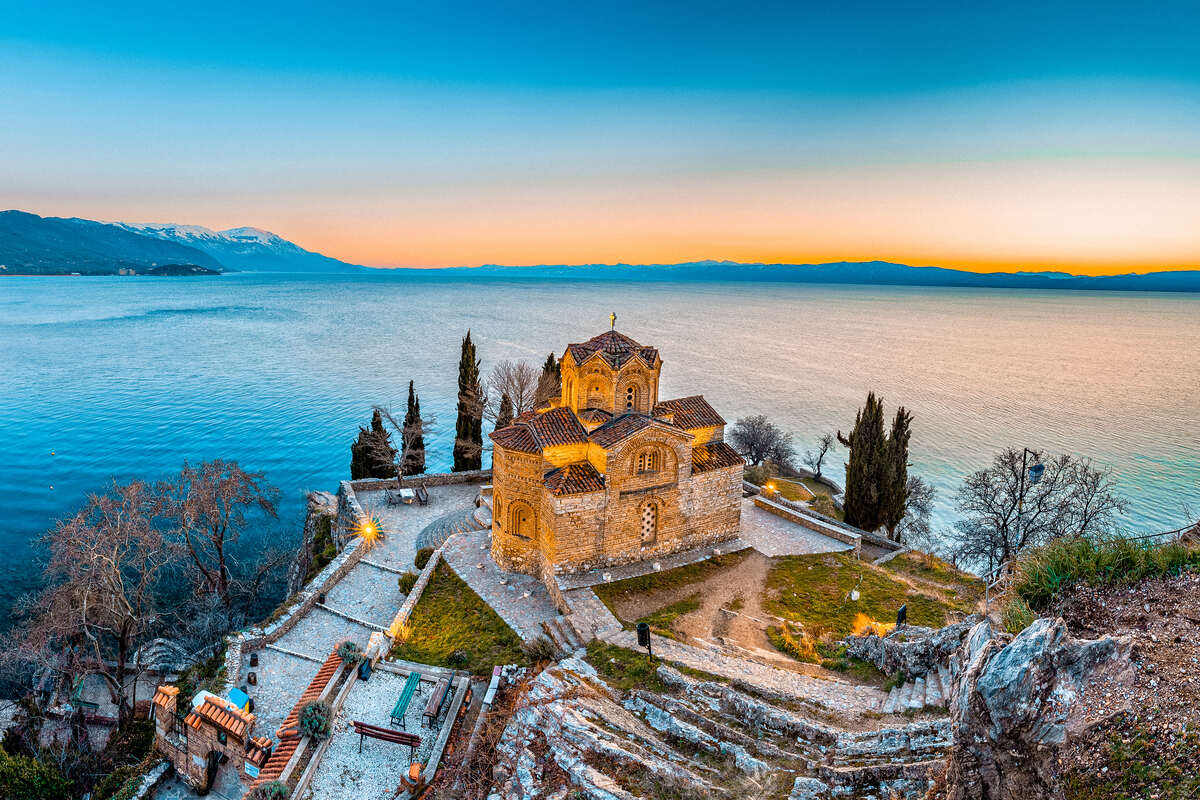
<point x="437" y="532"/>
<point x="562" y="633"/>
<point x="931" y="690"/>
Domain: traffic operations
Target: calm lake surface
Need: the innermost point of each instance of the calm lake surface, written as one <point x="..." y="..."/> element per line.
<point x="125" y="377"/>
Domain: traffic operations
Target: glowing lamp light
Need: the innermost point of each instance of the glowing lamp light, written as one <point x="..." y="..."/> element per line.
<point x="370" y="532"/>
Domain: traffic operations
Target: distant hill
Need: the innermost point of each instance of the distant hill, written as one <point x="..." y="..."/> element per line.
<point x="879" y="273"/>
<point x="33" y="245"/>
<point x="248" y="249"/>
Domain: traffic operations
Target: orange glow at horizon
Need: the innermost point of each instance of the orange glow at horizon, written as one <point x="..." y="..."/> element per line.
<point x="1078" y="215"/>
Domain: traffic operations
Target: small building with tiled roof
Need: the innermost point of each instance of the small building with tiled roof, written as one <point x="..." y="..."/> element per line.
<point x="606" y="473"/>
<point x="213" y="730"/>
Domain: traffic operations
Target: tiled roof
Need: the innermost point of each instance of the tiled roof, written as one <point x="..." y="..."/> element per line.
<point x="689" y="413"/>
<point x="165" y="694"/>
<point x="615" y="348"/>
<point x="223" y="714"/>
<point x="516" y="437"/>
<point x="717" y="455"/>
<point x="557" y="426"/>
<point x="625" y="425"/>
<point x="533" y="433"/>
<point x="575" y="478"/>
<point x="598" y="415"/>
<point x="289" y="732"/>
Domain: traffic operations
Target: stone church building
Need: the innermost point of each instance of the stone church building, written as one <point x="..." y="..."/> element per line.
<point x="607" y="473"/>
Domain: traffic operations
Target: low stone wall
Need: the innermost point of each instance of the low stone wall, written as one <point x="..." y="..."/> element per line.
<point x="301" y="603"/>
<point x="425" y="479"/>
<point x="151" y="780"/>
<point x="410" y="602"/>
<point x="911" y="650"/>
<point x="833" y="531"/>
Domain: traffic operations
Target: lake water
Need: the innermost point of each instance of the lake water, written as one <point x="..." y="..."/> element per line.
<point x="125" y="377"/>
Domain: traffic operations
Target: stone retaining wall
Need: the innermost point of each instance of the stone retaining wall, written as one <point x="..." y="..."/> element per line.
<point x="425" y="479"/>
<point x="301" y="603"/>
<point x="410" y="602"/>
<point x="812" y="523"/>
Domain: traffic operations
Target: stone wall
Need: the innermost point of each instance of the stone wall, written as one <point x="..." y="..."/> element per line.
<point x="812" y="523"/>
<point x="410" y="602"/>
<point x="424" y="479"/>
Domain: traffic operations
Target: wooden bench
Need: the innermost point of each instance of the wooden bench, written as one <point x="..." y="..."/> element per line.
<point x="406" y="696"/>
<point x="422" y="495"/>
<point x="386" y="735"/>
<point x="433" y="709"/>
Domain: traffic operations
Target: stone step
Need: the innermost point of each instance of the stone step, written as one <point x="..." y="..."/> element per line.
<point x="555" y="634"/>
<point x="572" y="634"/>
<point x="944" y="674"/>
<point x="889" y="705"/>
<point x="933" y="690"/>
<point x="917" y="698"/>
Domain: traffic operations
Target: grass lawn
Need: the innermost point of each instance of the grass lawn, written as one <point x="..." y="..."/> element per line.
<point x="813" y="590"/>
<point x="961" y="587"/>
<point x="452" y="627"/>
<point x="793" y="489"/>
<point x="660" y="621"/>
<point x="655" y="581"/>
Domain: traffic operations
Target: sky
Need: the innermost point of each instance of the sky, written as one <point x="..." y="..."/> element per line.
<point x="977" y="135"/>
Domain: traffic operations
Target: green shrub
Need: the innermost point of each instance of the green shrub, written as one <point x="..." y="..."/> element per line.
<point x="539" y="650"/>
<point x="1046" y="572"/>
<point x="315" y="720"/>
<point x="406" y="582"/>
<point x="423" y="556"/>
<point x="1017" y="615"/>
<point x="350" y="653"/>
<point x="823" y="504"/>
<point x="274" y="790"/>
<point x="459" y="658"/>
<point x="31" y="779"/>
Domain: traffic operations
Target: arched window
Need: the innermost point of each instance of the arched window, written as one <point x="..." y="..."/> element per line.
<point x="631" y="398"/>
<point x="648" y="461"/>
<point x="649" y="523"/>
<point x="520" y="520"/>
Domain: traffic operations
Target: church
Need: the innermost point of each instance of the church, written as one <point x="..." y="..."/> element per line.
<point x="606" y="473"/>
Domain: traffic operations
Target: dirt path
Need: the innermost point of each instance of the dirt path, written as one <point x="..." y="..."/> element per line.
<point x="730" y="613"/>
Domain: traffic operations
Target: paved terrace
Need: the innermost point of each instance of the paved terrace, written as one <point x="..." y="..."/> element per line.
<point x="364" y="601"/>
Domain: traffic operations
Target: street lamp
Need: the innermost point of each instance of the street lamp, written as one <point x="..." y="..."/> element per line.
<point x="1033" y="472"/>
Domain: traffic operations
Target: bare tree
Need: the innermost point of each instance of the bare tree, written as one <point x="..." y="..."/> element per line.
<point x="915" y="526"/>
<point x="758" y="440"/>
<point x="815" y="457"/>
<point x="212" y="504"/>
<point x="516" y="379"/>
<point x="999" y="521"/>
<point x="103" y="577"/>
<point x="410" y="437"/>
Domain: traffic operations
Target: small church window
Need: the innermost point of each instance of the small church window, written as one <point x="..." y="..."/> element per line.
<point x="631" y="397"/>
<point x="648" y="461"/>
<point x="649" y="523"/>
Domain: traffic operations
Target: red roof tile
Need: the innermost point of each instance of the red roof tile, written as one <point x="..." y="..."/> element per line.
<point x="623" y="426"/>
<point x="557" y="426"/>
<point x="717" y="455"/>
<point x="689" y="413"/>
<point x="576" y="478"/>
<point x="615" y="348"/>
<point x="516" y="437"/>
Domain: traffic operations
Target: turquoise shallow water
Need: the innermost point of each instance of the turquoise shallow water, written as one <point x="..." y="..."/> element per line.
<point x="130" y="376"/>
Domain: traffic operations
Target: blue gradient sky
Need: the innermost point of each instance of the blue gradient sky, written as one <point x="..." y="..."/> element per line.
<point x="980" y="135"/>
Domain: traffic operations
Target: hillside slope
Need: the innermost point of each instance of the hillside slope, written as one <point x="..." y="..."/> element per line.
<point x="33" y="245"/>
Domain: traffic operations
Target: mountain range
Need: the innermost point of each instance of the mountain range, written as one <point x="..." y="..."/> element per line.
<point x="33" y="245"/>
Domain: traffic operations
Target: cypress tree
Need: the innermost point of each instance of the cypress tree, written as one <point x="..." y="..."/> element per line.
<point x="895" y="493"/>
<point x="468" y="430"/>
<point x="550" y="382"/>
<point x="372" y="454"/>
<point x="867" y="467"/>
<point x="505" y="415"/>
<point x="414" y="436"/>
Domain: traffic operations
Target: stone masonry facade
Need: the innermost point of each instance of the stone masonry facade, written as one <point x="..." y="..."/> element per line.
<point x="607" y="473"/>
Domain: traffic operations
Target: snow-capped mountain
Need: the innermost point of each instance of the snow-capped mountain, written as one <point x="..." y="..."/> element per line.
<point x="244" y="249"/>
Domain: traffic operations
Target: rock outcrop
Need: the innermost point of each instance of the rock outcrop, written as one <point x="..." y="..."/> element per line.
<point x="910" y="649"/>
<point x="572" y="732"/>
<point x="1016" y="700"/>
